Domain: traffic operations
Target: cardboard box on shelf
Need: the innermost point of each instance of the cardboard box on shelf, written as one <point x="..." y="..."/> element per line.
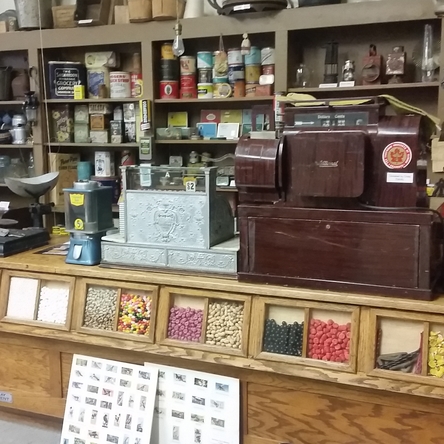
<point x="66" y="165"/>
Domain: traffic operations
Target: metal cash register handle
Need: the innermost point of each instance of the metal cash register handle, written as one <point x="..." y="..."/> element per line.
<point x="32" y="186"/>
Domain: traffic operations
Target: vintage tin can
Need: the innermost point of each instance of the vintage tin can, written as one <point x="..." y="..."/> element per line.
<point x="220" y="79"/>
<point x="254" y="57"/>
<point x="166" y="52"/>
<point x="188" y="93"/>
<point x="250" y="89"/>
<point x="222" y="90"/>
<point x="267" y="70"/>
<point x="136" y="85"/>
<point x="205" y="75"/>
<point x="279" y="109"/>
<point x="204" y="60"/>
<point x="235" y="56"/>
<point x="79" y="92"/>
<point x="169" y="89"/>
<point x="62" y="78"/>
<point x="267" y="56"/>
<point x="204" y="90"/>
<point x="95" y="78"/>
<point x="187" y="65"/>
<point x="236" y="72"/>
<point x="119" y="85"/>
<point x="252" y="73"/>
<point x="169" y="69"/>
<point x="239" y="88"/>
<point x="188" y="81"/>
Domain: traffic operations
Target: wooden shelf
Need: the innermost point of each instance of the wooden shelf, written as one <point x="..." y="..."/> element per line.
<point x="388" y="87"/>
<point x="197" y="142"/>
<point x="92" y="145"/>
<point x="227" y="189"/>
<point x="11" y="102"/>
<point x="11" y="145"/>
<point x="229" y="100"/>
<point x="128" y="100"/>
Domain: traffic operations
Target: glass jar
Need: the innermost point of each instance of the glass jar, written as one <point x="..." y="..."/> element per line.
<point x="5" y="162"/>
<point x="17" y="169"/>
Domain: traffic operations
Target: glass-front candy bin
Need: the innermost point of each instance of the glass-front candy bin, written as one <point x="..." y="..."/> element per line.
<point x="173" y="218"/>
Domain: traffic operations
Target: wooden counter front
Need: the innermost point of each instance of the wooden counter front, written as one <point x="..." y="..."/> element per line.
<point x="287" y="397"/>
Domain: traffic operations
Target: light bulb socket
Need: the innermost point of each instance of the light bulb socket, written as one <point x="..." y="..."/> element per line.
<point x="178" y="28"/>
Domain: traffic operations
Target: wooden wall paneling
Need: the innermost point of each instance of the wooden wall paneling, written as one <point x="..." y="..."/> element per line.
<point x="55" y="373"/>
<point x="281" y="60"/>
<point x="148" y="68"/>
<point x="309" y="418"/>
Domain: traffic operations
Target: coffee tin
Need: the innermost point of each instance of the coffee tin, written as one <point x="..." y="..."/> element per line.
<point x="166" y="52"/>
<point x="220" y="79"/>
<point x="169" y="89"/>
<point x="235" y="56"/>
<point x="254" y="57"/>
<point x="204" y="59"/>
<point x="252" y="73"/>
<point x="222" y="90"/>
<point x="267" y="56"/>
<point x="63" y="76"/>
<point x="236" y="72"/>
<point x="205" y="75"/>
<point x="267" y="70"/>
<point x="188" y="81"/>
<point x="188" y="65"/>
<point x="250" y="89"/>
<point x="119" y="85"/>
<point x="204" y="90"/>
<point x="188" y="93"/>
<point x="239" y="88"/>
<point x="169" y="69"/>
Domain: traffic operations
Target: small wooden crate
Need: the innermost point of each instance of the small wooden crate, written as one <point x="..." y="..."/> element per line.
<point x="289" y="311"/>
<point x="120" y="288"/>
<point x="202" y="300"/>
<point x="36" y="280"/>
<point x="63" y="16"/>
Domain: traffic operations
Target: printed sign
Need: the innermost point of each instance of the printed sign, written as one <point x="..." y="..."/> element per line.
<point x="6" y="397"/>
<point x="397" y="155"/>
<point x="400" y="177"/>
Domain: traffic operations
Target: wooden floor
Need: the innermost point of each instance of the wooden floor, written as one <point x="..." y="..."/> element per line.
<point x="21" y="429"/>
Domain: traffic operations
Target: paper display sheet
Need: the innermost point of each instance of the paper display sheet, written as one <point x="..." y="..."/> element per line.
<point x="195" y="408"/>
<point x="109" y="402"/>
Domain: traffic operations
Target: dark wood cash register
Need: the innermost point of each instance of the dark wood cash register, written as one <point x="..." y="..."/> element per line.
<point x="339" y="203"/>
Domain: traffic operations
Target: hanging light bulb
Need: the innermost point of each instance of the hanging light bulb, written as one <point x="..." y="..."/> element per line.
<point x="178" y="46"/>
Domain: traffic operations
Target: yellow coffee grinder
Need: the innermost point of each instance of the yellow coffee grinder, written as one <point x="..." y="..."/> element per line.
<point x="88" y="216"/>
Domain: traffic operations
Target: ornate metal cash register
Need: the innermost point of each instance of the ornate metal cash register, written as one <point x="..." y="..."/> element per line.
<point x="339" y="203"/>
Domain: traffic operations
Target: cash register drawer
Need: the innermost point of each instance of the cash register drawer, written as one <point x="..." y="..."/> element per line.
<point x="334" y="253"/>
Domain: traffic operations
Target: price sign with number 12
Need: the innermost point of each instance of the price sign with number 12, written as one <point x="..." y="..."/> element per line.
<point x="190" y="186"/>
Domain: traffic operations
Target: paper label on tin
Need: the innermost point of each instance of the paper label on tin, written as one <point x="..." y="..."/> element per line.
<point x="400" y="177"/>
<point x="6" y="397"/>
<point x="397" y="155"/>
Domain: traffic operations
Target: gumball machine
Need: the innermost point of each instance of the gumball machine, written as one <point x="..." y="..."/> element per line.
<point x="88" y="216"/>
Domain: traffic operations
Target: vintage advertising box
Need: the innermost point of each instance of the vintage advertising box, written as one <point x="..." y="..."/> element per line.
<point x="66" y="165"/>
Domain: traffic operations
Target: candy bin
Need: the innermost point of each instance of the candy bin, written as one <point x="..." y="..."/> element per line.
<point x="134" y="313"/>
<point x="399" y="345"/>
<point x="38" y="299"/>
<point x="205" y="320"/>
<point x="116" y="310"/>
<point x="329" y="336"/>
<point x="185" y="322"/>
<point x="435" y="350"/>
<point x="284" y="331"/>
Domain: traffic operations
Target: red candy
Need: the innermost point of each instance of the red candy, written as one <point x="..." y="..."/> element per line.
<point x="329" y="341"/>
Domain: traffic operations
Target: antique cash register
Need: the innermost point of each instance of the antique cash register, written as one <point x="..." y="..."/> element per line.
<point x="173" y="218"/>
<point x="339" y="202"/>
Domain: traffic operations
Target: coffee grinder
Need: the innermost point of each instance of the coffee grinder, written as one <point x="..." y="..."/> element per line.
<point x="88" y="216"/>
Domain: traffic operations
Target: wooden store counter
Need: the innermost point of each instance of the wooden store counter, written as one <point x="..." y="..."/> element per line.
<point x="315" y="366"/>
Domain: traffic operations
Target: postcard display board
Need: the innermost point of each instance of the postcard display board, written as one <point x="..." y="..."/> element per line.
<point x="119" y="403"/>
<point x="195" y="408"/>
